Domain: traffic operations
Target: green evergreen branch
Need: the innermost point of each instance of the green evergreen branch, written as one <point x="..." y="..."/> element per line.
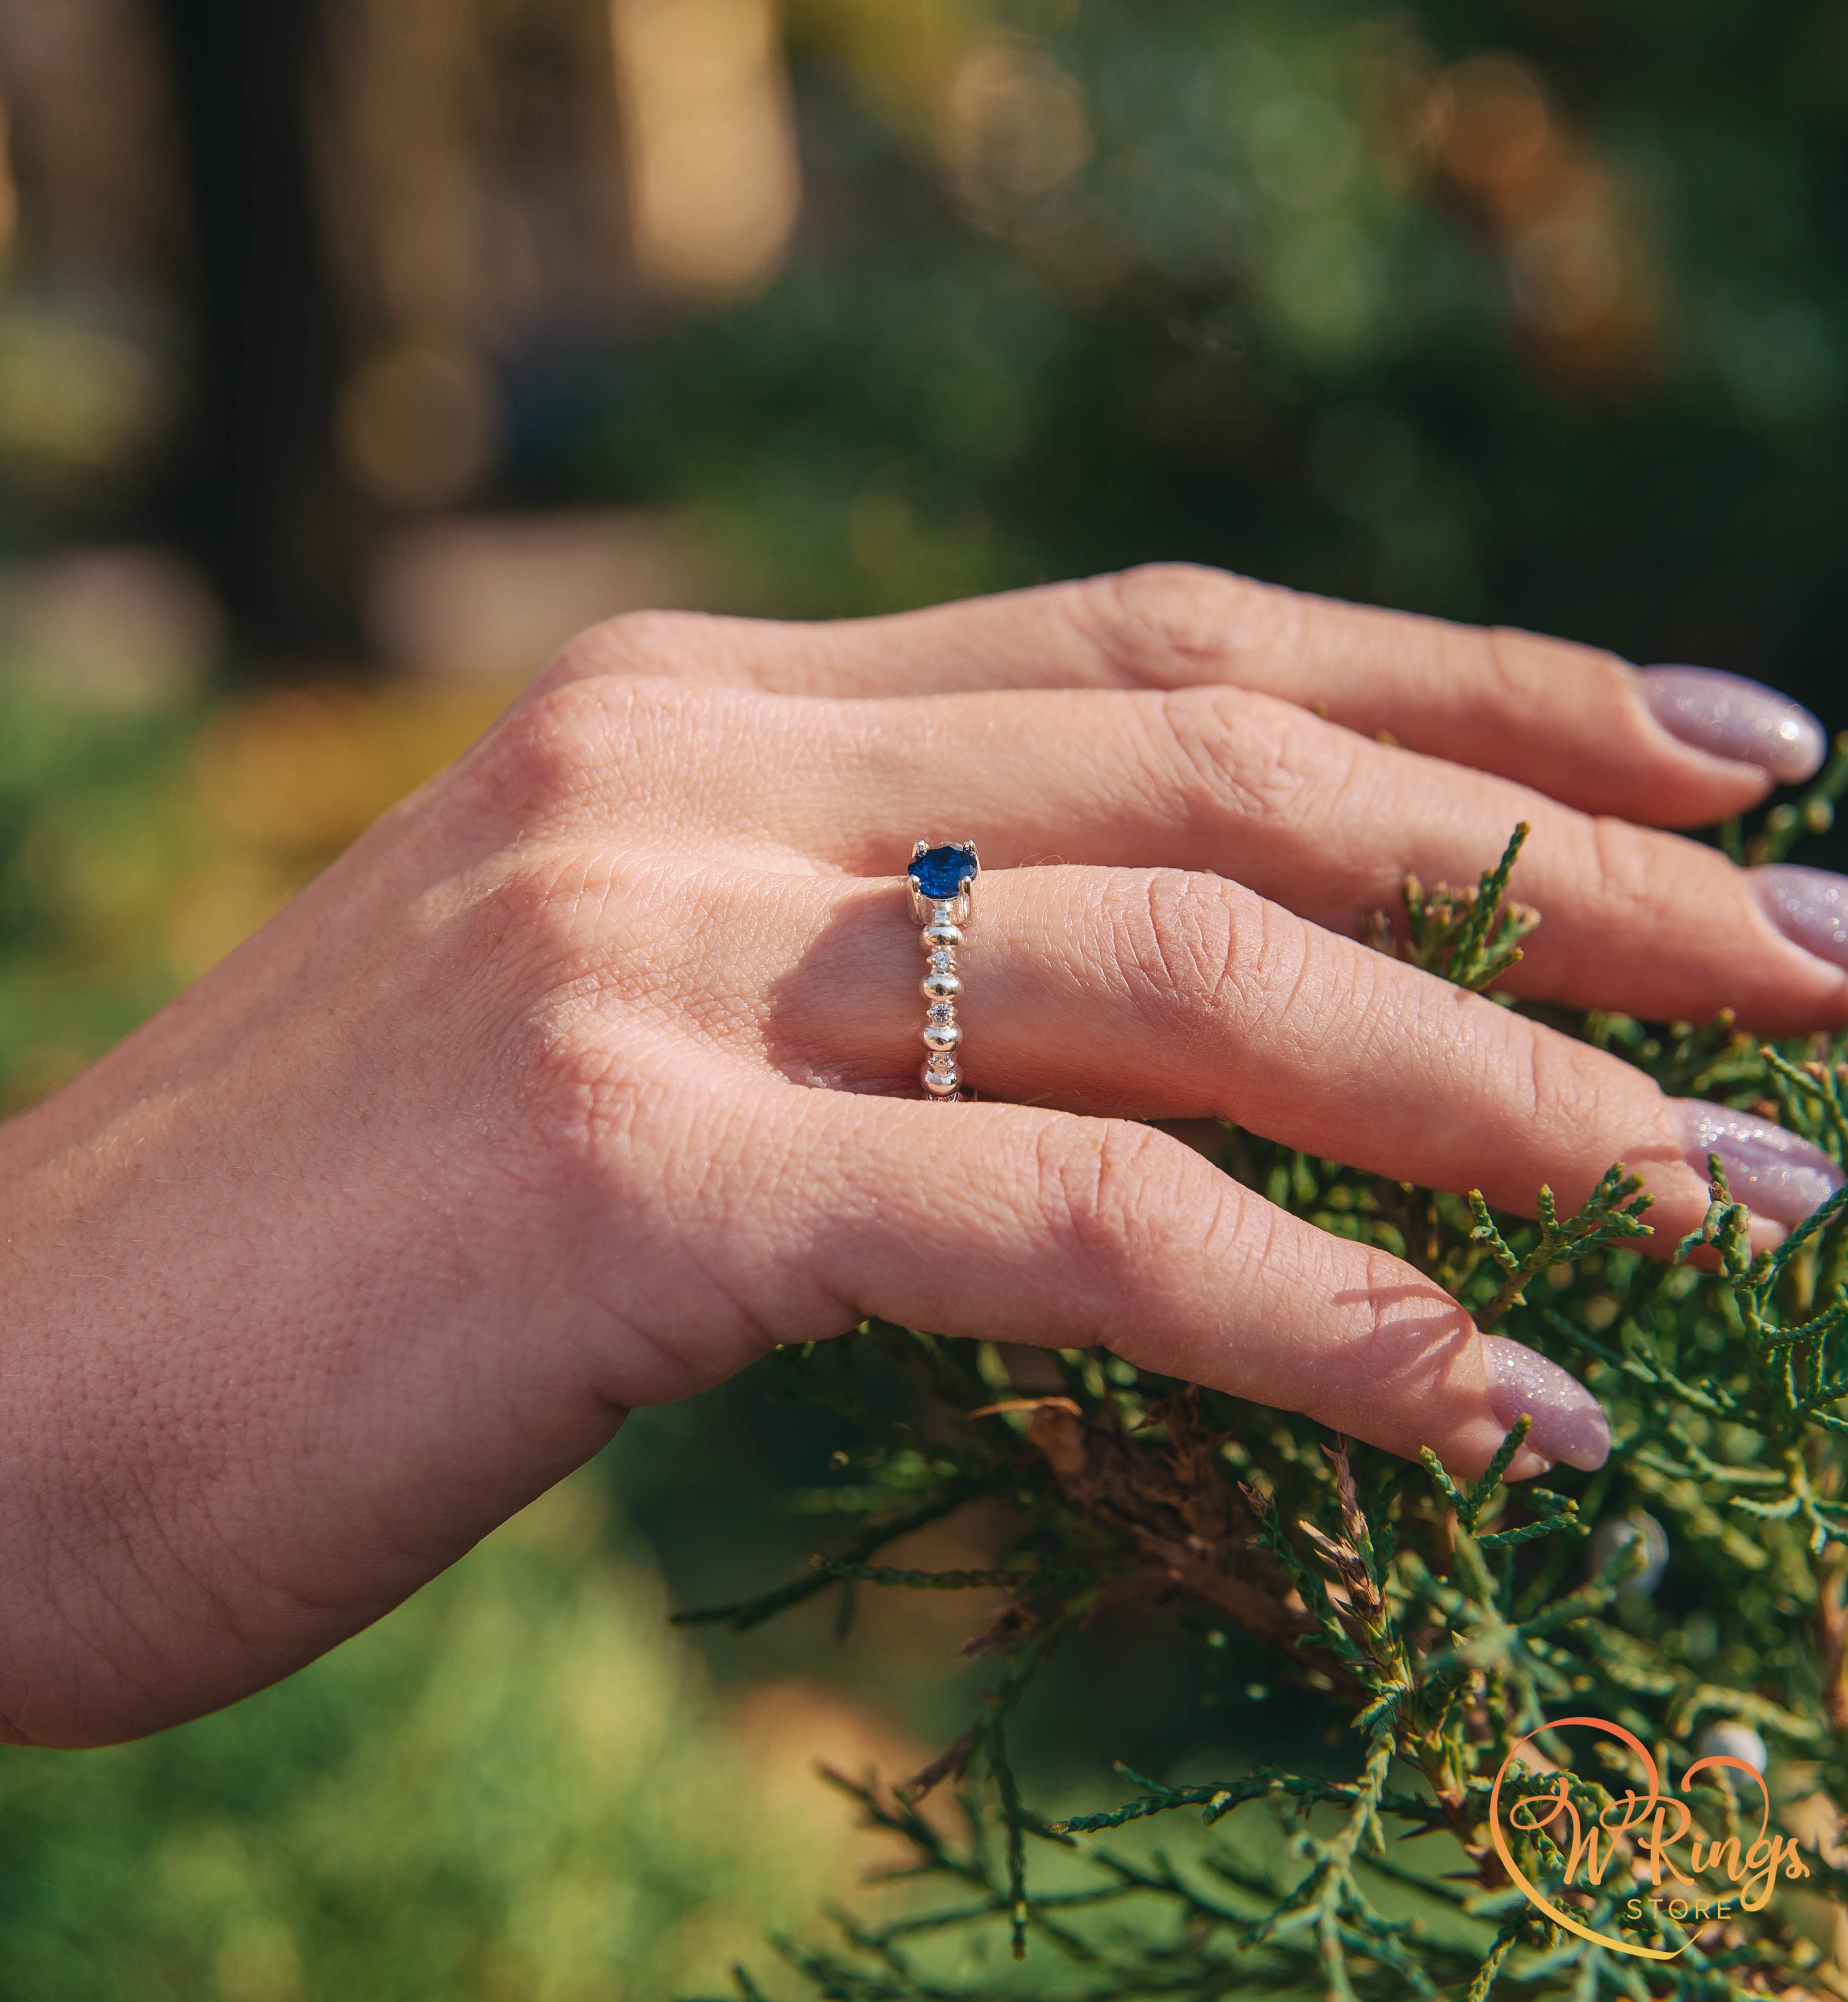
<point x="1566" y="1521"/>
<point x="1778" y="1261"/>
<point x="1015" y="1578"/>
<point x="1215" y="1800"/>
<point x="741" y="1615"/>
<point x="1725" y="1227"/>
<point x="1453" y="1496"/>
<point x="1813" y="814"/>
<point x="1329" y="1891"/>
<point x="1612" y="1213"/>
<point x="1469" y="937"/>
<point x="1481" y="1988"/>
<point x="1489" y="1485"/>
<point x="1439" y="1630"/>
<point x="1308" y="1583"/>
<point x="1821" y="1085"/>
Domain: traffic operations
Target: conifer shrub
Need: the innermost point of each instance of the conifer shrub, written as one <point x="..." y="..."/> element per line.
<point x="1435" y="1625"/>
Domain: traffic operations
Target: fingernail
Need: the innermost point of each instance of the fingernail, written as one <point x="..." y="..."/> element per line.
<point x="1809" y="906"/>
<point x="1734" y="718"/>
<point x="1774" y="1171"/>
<point x="1569" y="1423"/>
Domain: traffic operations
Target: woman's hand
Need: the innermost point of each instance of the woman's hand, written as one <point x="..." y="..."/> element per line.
<point x="590" y="1073"/>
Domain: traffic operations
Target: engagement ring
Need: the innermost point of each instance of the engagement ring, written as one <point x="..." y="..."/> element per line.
<point x="943" y="883"/>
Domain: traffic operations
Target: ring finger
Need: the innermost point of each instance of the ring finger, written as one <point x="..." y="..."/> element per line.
<point x="1156" y="993"/>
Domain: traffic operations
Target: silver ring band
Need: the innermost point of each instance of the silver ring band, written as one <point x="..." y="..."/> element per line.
<point x="941" y="881"/>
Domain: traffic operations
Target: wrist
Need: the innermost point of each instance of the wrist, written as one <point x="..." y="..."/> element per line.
<point x="254" y="1393"/>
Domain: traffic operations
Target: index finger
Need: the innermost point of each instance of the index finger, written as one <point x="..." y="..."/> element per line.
<point x="1674" y="747"/>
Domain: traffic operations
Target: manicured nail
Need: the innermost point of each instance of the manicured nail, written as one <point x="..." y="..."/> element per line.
<point x="1776" y="1173"/>
<point x="1569" y="1423"/>
<point x="1734" y="718"/>
<point x="1809" y="906"/>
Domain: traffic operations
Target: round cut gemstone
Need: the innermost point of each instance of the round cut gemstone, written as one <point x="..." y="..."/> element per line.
<point x="941" y="872"/>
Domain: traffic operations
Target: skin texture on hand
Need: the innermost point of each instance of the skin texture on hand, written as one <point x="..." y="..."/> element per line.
<point x="589" y="1074"/>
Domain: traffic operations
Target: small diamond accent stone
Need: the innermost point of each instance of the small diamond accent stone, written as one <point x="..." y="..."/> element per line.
<point x="941" y="872"/>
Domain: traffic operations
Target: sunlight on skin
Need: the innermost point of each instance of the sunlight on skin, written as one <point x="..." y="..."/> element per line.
<point x="591" y="1072"/>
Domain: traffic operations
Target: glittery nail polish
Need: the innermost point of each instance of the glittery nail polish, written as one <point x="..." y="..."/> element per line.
<point x="1776" y="1173"/>
<point x="1569" y="1423"/>
<point x="1734" y="718"/>
<point x="1809" y="906"/>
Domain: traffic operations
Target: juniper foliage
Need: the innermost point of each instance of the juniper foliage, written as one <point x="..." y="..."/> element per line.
<point x="1437" y="1624"/>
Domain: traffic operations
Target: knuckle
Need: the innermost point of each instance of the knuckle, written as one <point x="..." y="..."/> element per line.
<point x="1102" y="1185"/>
<point x="1536" y="1088"/>
<point x="1187" y="947"/>
<point x="563" y="743"/>
<point x="544" y="750"/>
<point x="647" y="643"/>
<point x="1581" y="1099"/>
<point x="1164" y="624"/>
<point x="1253" y="758"/>
<point x="578" y="1047"/>
<point x="1176" y="936"/>
<point x="1625" y="868"/>
<point x="1526" y="667"/>
<point x="1500" y="657"/>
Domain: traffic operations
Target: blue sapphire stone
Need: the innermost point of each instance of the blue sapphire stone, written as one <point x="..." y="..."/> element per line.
<point x="941" y="872"/>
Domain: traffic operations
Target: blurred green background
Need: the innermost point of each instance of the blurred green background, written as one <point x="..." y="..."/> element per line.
<point x="353" y="352"/>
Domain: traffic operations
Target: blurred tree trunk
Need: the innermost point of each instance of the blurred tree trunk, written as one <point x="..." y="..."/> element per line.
<point x="257" y="493"/>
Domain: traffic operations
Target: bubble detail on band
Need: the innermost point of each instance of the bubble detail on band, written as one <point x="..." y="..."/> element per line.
<point x="940" y="986"/>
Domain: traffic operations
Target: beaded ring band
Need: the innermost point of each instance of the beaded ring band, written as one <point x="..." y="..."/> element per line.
<point x="943" y="884"/>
